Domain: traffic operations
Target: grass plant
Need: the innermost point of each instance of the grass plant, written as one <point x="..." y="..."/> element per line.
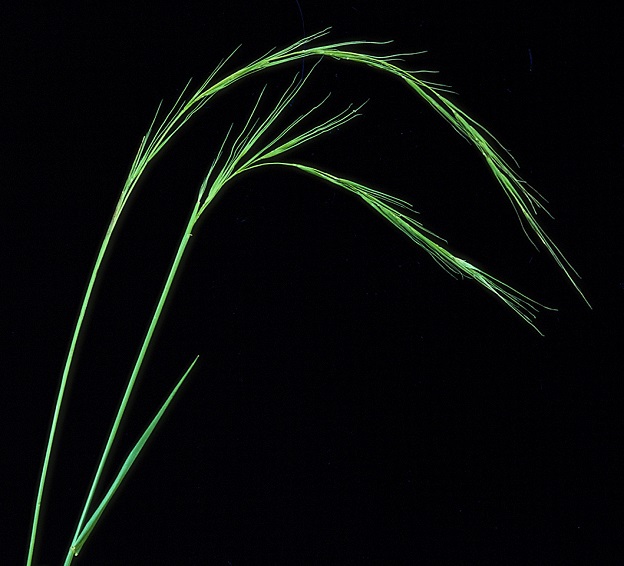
<point x="258" y="143"/>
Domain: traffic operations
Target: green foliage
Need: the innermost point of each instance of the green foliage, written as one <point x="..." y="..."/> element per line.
<point x="256" y="145"/>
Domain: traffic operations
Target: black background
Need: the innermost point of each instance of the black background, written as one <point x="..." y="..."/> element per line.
<point x="353" y="403"/>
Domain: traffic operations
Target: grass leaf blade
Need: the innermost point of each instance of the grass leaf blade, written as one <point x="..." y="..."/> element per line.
<point x="125" y="468"/>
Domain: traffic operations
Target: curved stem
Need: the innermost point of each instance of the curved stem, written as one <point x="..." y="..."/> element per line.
<point x="137" y="366"/>
<point x="64" y="380"/>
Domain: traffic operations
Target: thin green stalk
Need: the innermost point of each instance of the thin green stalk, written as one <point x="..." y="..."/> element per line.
<point x="139" y="361"/>
<point x="133" y="177"/>
<point x="63" y="385"/>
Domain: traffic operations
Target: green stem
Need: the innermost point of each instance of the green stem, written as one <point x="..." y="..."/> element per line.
<point x="65" y="378"/>
<point x="137" y="366"/>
